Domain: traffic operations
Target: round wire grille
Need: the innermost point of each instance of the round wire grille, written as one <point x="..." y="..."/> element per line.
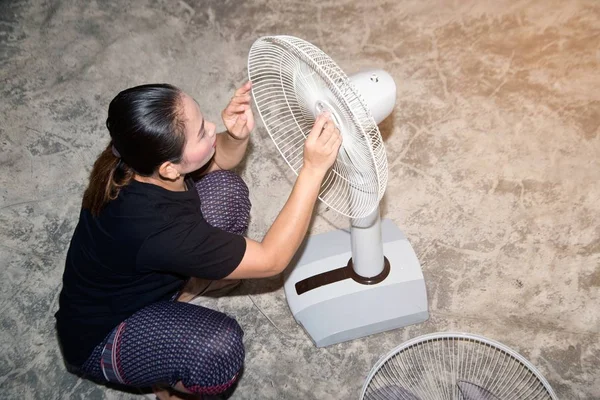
<point x="455" y="366"/>
<point x="292" y="82"/>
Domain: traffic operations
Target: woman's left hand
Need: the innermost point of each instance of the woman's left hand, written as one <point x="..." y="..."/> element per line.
<point x="237" y="116"/>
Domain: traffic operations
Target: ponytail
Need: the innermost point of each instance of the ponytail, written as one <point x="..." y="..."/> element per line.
<point x="108" y="176"/>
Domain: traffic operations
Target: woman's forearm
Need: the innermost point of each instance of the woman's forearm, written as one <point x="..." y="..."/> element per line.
<point x="229" y="152"/>
<point x="273" y="254"/>
<point x="290" y="227"/>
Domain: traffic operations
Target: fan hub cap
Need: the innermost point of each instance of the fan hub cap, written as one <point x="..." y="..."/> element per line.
<point x="322" y="106"/>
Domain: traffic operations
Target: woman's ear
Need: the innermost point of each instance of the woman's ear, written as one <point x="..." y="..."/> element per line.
<point x="168" y="170"/>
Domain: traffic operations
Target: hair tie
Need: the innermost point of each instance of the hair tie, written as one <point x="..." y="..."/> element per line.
<point x="115" y="151"/>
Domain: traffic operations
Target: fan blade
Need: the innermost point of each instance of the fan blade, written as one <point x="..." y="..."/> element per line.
<point x="393" y="393"/>
<point x="471" y="391"/>
<point x="293" y="81"/>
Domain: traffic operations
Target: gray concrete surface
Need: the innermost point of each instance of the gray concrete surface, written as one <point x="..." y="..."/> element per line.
<point x="494" y="152"/>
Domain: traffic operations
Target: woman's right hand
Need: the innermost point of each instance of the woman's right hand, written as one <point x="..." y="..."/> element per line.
<point x="322" y="145"/>
<point x="273" y="254"/>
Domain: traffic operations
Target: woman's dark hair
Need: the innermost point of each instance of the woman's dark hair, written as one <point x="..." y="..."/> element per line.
<point x="146" y="129"/>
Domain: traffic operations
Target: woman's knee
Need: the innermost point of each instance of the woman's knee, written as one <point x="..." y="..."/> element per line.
<point x="200" y="347"/>
<point x="222" y="184"/>
<point x="221" y="360"/>
<point x="226" y="345"/>
<point x="225" y="201"/>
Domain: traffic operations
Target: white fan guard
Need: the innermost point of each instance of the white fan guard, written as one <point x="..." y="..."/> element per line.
<point x="455" y="366"/>
<point x="292" y="81"/>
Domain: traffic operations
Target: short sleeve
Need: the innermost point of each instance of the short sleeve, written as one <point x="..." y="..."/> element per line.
<point x="191" y="247"/>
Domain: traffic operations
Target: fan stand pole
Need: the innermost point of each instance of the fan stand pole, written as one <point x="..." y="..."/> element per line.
<point x="367" y="245"/>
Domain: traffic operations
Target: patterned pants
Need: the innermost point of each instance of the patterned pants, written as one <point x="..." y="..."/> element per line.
<point x="168" y="342"/>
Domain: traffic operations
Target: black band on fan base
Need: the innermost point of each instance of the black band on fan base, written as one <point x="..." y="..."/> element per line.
<point x="340" y="274"/>
<point x="372" y="280"/>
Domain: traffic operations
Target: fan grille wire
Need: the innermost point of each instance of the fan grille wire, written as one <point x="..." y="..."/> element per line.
<point x="289" y="77"/>
<point x="433" y="366"/>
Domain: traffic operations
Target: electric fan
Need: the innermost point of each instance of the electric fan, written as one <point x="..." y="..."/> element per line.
<point x="342" y="285"/>
<point x="455" y="366"/>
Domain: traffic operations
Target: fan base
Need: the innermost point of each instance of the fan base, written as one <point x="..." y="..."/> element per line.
<point x="345" y="309"/>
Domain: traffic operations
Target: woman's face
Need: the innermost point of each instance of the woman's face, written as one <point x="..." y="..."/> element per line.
<point x="200" y="137"/>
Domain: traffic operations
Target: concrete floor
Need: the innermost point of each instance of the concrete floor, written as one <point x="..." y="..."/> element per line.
<point x="494" y="153"/>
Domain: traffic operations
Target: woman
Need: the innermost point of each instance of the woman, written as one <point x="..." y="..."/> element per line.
<point x="146" y="227"/>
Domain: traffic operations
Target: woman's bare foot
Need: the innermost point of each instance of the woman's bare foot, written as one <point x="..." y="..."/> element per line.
<point x="203" y="287"/>
<point x="165" y="393"/>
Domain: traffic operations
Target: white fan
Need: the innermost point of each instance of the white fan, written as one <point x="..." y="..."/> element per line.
<point x="455" y="366"/>
<point x="343" y="285"/>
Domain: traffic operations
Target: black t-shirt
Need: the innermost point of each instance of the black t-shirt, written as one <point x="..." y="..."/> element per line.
<point x="138" y="251"/>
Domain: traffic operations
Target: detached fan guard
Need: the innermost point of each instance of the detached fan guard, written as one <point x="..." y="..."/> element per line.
<point x="436" y="337"/>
